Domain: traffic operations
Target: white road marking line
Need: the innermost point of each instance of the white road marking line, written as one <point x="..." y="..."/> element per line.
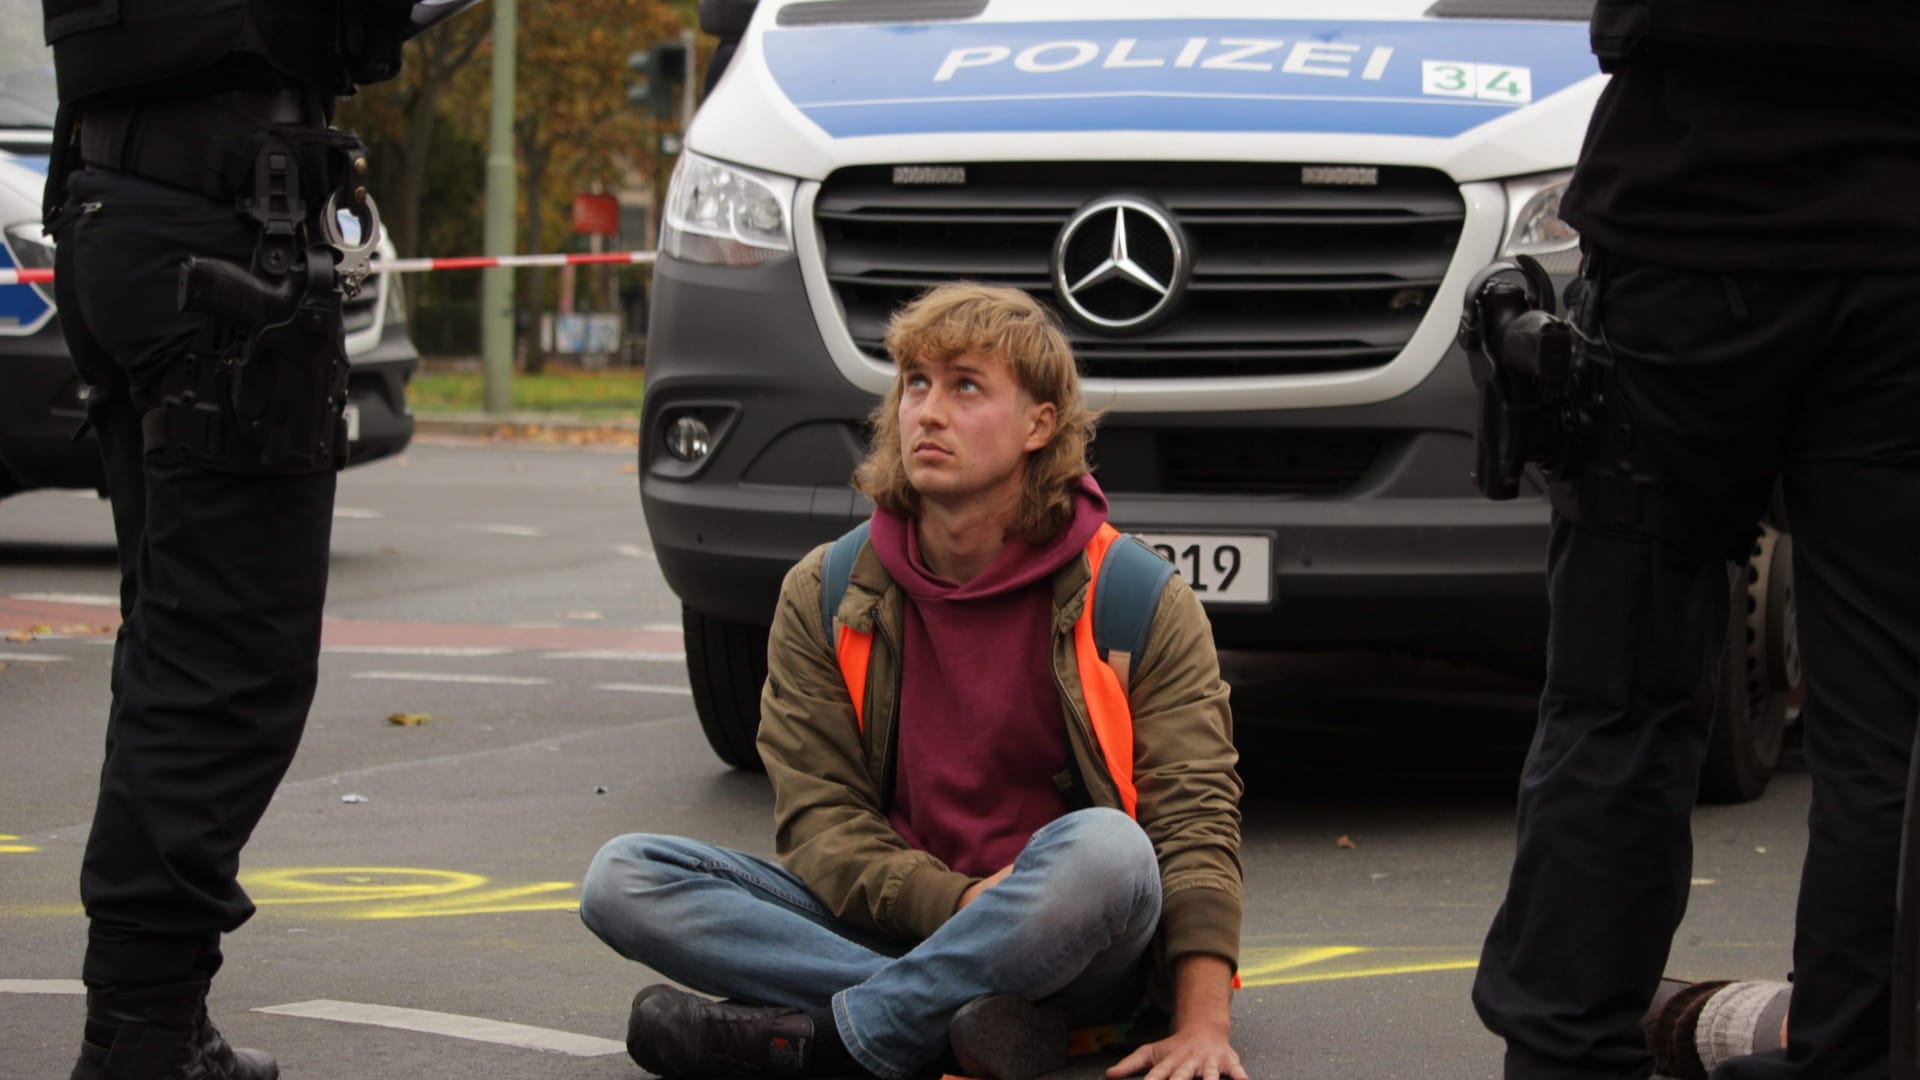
<point x="330" y="784"/>
<point x="434" y="676"/>
<point x="89" y="599"/>
<point x="31" y="658"/>
<point x="478" y="1029"/>
<point x="634" y="551"/>
<point x="643" y="688"/>
<point x="42" y="986"/>
<point x="357" y="513"/>
<point x="617" y="654"/>
<point x="419" y="650"/>
<point x="505" y="530"/>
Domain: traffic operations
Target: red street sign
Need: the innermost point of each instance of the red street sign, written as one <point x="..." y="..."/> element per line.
<point x="596" y="214"/>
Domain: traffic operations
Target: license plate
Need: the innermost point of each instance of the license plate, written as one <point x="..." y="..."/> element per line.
<point x="1219" y="569"/>
<point x="352" y="416"/>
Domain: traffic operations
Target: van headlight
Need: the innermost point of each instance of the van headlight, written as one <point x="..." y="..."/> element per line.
<point x="32" y="249"/>
<point x="726" y="214"/>
<point x="1534" y="227"/>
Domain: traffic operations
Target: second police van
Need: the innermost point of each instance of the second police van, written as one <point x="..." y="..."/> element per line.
<point x="1257" y="221"/>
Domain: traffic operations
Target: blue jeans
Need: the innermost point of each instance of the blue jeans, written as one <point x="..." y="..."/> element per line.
<point x="1072" y="922"/>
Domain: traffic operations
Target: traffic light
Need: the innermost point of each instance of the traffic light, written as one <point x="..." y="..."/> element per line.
<point x="661" y="70"/>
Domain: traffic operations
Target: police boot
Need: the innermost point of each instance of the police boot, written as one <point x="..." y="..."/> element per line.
<point x="161" y="1032"/>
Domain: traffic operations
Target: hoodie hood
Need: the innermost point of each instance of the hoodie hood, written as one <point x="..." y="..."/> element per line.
<point x="1018" y="565"/>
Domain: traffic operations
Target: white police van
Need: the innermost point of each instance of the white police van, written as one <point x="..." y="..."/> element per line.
<point x="1257" y="220"/>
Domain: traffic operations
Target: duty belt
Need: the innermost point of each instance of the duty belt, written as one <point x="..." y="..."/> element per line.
<point x="204" y="144"/>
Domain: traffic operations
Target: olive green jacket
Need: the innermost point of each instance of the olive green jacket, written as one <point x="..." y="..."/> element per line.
<point x="833" y="781"/>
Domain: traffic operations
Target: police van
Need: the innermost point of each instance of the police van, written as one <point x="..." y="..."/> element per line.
<point x="1257" y="221"/>
<point x="42" y="400"/>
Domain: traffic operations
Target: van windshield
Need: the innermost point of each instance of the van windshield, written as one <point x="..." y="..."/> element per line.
<point x="27" y="94"/>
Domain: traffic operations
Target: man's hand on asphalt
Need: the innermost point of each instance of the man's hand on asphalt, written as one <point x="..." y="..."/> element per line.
<point x="1201" y="1046"/>
<point x="974" y="890"/>
<point x="1193" y="1053"/>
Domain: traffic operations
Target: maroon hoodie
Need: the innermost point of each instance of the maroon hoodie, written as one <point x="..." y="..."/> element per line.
<point x="981" y="734"/>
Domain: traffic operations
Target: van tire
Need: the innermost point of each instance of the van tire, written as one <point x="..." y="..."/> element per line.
<point x="1759" y="675"/>
<point x="726" y="666"/>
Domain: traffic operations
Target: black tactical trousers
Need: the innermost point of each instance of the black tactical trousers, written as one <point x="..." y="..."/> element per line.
<point x="223" y="574"/>
<point x="1726" y="381"/>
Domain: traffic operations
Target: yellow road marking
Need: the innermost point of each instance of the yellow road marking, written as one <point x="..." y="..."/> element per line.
<point x="400" y="892"/>
<point x="1295" y="965"/>
<point x="487" y="902"/>
<point x="17" y="849"/>
<point x="376" y="892"/>
<point x="353" y="884"/>
<point x="1290" y="960"/>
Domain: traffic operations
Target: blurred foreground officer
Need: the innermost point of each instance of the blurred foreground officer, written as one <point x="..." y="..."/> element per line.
<point x="1751" y="309"/>
<point x="210" y="224"/>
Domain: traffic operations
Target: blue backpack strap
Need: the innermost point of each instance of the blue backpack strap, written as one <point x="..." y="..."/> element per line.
<point x="837" y="570"/>
<point x="1132" y="578"/>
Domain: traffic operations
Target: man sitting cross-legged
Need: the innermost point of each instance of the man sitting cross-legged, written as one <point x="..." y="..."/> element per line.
<point x="989" y="828"/>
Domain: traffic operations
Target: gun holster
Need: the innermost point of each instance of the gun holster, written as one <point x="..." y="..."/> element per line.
<point x="282" y="357"/>
<point x="1533" y="390"/>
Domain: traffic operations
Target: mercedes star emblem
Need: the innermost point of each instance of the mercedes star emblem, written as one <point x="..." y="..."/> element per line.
<point x="1120" y="263"/>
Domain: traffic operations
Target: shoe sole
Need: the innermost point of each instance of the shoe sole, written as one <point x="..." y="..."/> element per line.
<point x="1007" y="1037"/>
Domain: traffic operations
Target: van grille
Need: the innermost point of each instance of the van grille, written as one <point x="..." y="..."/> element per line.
<point x="1235" y="461"/>
<point x="1288" y="278"/>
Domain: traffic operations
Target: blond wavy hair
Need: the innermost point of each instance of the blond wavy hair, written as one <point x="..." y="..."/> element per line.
<point x="961" y="317"/>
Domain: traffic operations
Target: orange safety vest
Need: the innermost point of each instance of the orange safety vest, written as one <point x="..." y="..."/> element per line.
<point x="1102" y="680"/>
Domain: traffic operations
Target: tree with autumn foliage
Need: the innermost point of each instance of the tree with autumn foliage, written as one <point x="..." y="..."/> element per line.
<point x="574" y="131"/>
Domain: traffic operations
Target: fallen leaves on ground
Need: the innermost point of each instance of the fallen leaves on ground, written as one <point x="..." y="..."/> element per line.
<point x="1345" y="842"/>
<point x="21" y="637"/>
<point x="409" y="719"/>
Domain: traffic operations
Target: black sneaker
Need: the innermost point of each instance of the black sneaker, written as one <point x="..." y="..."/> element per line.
<point x="1007" y="1037"/>
<point x="674" y="1033"/>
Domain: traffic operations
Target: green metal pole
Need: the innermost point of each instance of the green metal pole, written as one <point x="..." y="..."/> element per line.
<point x="496" y="283"/>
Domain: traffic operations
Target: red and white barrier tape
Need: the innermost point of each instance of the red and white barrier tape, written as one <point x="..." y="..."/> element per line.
<point x="416" y="266"/>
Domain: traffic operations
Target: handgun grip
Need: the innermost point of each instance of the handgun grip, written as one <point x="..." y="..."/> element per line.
<point x="230" y="291"/>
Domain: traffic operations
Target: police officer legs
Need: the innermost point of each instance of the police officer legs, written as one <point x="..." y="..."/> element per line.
<point x="223" y="534"/>
<point x="196" y="190"/>
<point x="1721" y="383"/>
<point x="223" y="576"/>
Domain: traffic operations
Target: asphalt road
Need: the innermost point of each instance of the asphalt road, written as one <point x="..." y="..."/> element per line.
<point x="509" y="593"/>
